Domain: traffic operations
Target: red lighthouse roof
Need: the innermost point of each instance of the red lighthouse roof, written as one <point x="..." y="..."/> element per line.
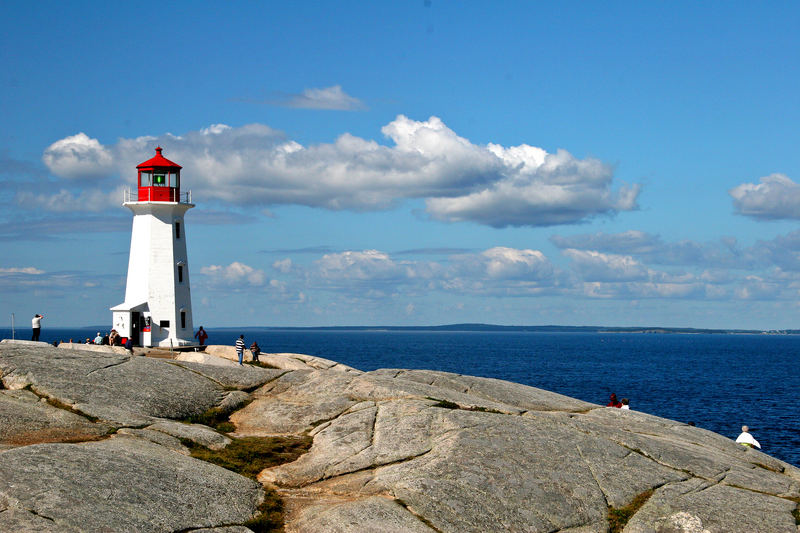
<point x="158" y="161"/>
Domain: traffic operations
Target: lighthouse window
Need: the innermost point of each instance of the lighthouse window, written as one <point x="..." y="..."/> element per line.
<point x="159" y="180"/>
<point x="183" y="319"/>
<point x="177" y="230"/>
<point x="144" y="179"/>
<point x="180" y="273"/>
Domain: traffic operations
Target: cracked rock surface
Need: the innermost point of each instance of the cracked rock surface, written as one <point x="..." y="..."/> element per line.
<point x="393" y="451"/>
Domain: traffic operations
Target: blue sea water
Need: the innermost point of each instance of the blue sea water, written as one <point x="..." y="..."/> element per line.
<point x="719" y="382"/>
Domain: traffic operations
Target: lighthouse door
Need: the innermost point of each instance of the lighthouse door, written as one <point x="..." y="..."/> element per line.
<point x="135" y="328"/>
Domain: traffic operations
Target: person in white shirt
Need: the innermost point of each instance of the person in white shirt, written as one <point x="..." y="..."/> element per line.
<point x="746" y="439"/>
<point x="36" y="325"/>
<point x="625" y="404"/>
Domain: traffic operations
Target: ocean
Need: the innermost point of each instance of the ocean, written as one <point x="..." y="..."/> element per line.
<point x="718" y="382"/>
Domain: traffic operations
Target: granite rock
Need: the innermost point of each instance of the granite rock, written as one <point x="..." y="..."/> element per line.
<point x="120" y="484"/>
<point x="393" y="450"/>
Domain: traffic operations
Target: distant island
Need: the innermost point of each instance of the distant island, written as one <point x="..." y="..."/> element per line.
<point x="541" y="329"/>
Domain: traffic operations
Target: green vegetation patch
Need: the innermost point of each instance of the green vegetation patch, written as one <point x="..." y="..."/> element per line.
<point x="617" y="518"/>
<point x="250" y="455"/>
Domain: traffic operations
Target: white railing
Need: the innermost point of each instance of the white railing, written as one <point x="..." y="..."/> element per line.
<point x="130" y="195"/>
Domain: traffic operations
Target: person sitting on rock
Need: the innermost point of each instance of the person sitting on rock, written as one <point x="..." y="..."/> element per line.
<point x="613" y="402"/>
<point x="625" y="403"/>
<point x="746" y="439"/>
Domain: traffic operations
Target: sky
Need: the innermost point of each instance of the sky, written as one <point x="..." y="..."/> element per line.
<point x="410" y="163"/>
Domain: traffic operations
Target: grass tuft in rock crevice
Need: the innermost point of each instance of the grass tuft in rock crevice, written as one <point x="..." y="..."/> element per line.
<point x="796" y="511"/>
<point x="259" y="364"/>
<point x="447" y="404"/>
<point x="215" y="418"/>
<point x="61" y="405"/>
<point x="617" y="518"/>
<point x="270" y="515"/>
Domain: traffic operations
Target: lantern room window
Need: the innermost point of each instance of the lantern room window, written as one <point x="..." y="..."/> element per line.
<point x="145" y="179"/>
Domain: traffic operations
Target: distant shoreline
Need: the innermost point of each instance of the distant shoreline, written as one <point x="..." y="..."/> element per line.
<point x="487" y="328"/>
<point x="539" y="329"/>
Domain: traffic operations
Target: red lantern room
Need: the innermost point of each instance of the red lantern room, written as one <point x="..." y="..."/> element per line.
<point x="159" y="179"/>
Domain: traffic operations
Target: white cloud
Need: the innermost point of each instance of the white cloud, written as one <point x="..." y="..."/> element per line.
<point x="538" y="189"/>
<point x="21" y="270"/>
<point x="78" y="157"/>
<point x="64" y="201"/>
<point x="651" y="249"/>
<point x="596" y="266"/>
<point x="234" y="275"/>
<point x="511" y="263"/>
<point x="369" y="265"/>
<point x="460" y="181"/>
<point x="775" y="197"/>
<point x="333" y="98"/>
<point x="283" y="265"/>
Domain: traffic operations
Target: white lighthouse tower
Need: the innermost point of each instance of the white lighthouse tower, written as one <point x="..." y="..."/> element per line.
<point x="158" y="304"/>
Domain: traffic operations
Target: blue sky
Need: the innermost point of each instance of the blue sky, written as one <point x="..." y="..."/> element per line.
<point x="403" y="163"/>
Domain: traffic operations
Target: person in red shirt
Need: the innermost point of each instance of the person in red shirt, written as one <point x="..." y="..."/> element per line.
<point x="613" y="401"/>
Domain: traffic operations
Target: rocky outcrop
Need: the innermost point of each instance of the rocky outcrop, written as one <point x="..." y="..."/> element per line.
<point x="393" y="451"/>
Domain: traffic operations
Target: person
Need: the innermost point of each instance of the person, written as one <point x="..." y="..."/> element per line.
<point x="129" y="344"/>
<point x="746" y="439"/>
<point x="240" y="348"/>
<point x="613" y="402"/>
<point x="88" y="341"/>
<point x="98" y="339"/>
<point x="36" y="325"/>
<point x="201" y="336"/>
<point x="105" y="341"/>
<point x="625" y="404"/>
<point x="112" y="338"/>
<point x="255" y="350"/>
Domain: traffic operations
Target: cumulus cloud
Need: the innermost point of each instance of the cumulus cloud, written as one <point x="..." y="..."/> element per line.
<point x="539" y="189"/>
<point x="283" y="265"/>
<point x="596" y="266"/>
<point x="775" y="197"/>
<point x="21" y="270"/>
<point x="652" y="249"/>
<point x="78" y="157"/>
<point x="506" y="263"/>
<point x="333" y="98"/>
<point x="459" y="181"/>
<point x="234" y="275"/>
<point x="369" y="265"/>
<point x="65" y="201"/>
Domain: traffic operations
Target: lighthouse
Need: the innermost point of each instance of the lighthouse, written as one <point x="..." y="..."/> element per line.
<point x="157" y="310"/>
